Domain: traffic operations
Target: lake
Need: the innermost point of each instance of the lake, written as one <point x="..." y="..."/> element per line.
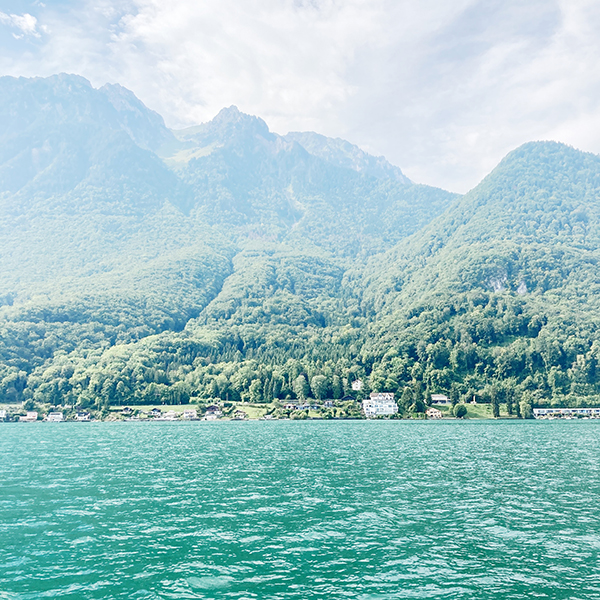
<point x="366" y="510"/>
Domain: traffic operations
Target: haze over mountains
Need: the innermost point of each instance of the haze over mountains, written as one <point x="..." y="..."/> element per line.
<point x="143" y="264"/>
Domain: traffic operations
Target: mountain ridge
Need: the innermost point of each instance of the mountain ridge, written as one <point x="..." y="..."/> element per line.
<point x="141" y="264"/>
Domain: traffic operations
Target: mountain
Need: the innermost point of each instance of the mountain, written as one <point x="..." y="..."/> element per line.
<point x="249" y="178"/>
<point x="92" y="222"/>
<point x="501" y="291"/>
<point x="538" y="206"/>
<point x="59" y="136"/>
<point x="341" y="153"/>
<point x="134" y="257"/>
<point x="144" y="265"/>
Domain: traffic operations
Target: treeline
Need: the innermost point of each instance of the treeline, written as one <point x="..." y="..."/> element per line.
<point x="492" y="347"/>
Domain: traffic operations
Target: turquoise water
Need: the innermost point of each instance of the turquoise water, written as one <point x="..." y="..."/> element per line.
<point x="300" y="510"/>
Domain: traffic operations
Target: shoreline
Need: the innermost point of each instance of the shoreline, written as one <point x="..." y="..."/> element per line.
<point x="197" y="421"/>
<point x="227" y="411"/>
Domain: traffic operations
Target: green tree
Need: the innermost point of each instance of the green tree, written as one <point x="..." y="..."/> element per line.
<point x="120" y="392"/>
<point x="407" y="398"/>
<point x="525" y="409"/>
<point x="510" y="398"/>
<point x="460" y="411"/>
<point x="320" y="386"/>
<point x="419" y="406"/>
<point x="337" y="389"/>
<point x="428" y="399"/>
<point x="495" y="407"/>
<point x="454" y="394"/>
<point x="278" y="383"/>
<point x="301" y="388"/>
<point x="255" y="391"/>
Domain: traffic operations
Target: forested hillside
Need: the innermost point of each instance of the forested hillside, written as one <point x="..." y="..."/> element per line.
<point x="499" y="295"/>
<point x="124" y="241"/>
<point x="139" y="264"/>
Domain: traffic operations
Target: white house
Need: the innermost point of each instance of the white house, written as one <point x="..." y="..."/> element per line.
<point x="55" y="417"/>
<point x="190" y="414"/>
<point x="433" y="413"/>
<point x="439" y="399"/>
<point x="379" y="403"/>
<point x="30" y="417"/>
<point x="212" y="413"/>
<point x="2" y="415"/>
<point x="357" y="385"/>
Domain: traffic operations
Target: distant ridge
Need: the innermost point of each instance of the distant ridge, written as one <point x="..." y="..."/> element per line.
<point x="343" y="154"/>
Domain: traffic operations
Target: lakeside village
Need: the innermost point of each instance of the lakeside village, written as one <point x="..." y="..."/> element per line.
<point x="379" y="405"/>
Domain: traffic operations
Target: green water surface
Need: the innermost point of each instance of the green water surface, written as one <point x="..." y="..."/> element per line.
<point x="300" y="510"/>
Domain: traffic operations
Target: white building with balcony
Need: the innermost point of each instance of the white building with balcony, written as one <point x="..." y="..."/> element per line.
<point x="566" y="413"/>
<point x="379" y="404"/>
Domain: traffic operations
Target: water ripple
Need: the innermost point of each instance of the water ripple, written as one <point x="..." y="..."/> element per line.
<point x="300" y="510"/>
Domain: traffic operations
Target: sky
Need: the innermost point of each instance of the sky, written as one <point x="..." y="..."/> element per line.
<point x="442" y="89"/>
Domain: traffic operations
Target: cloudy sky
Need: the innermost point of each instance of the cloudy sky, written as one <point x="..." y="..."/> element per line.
<point x="442" y="89"/>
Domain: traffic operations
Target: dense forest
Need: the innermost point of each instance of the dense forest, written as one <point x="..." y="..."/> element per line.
<point x="140" y="265"/>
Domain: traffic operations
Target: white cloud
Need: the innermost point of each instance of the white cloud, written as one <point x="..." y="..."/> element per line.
<point x="443" y="89"/>
<point x="282" y="59"/>
<point x="24" y="23"/>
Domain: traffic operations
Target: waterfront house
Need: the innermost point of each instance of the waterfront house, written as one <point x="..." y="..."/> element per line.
<point x="213" y="412"/>
<point x="190" y="414"/>
<point x="170" y="415"/>
<point x="379" y="404"/>
<point x="30" y="417"/>
<point x="566" y="413"/>
<point x="439" y="399"/>
<point x="55" y="417"/>
<point x="82" y="416"/>
<point x="433" y="413"/>
<point x="328" y="404"/>
<point x="290" y="406"/>
<point x="2" y="415"/>
<point x="239" y="415"/>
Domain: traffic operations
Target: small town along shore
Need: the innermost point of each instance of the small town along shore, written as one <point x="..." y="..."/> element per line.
<point x="379" y="405"/>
